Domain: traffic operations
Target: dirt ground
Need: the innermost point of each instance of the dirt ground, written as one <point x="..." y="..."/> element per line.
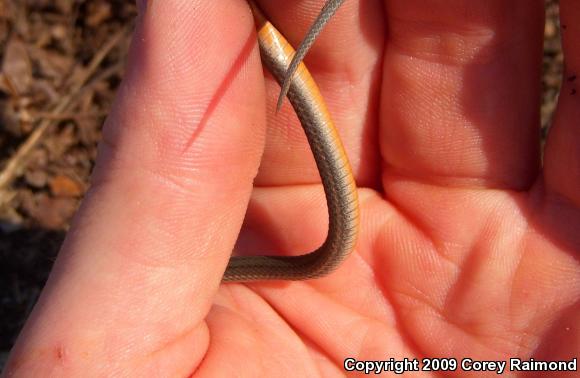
<point x="61" y="62"/>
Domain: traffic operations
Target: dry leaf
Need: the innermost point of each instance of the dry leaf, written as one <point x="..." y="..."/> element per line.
<point x="64" y="186"/>
<point x="54" y="213"/>
<point x="16" y="67"/>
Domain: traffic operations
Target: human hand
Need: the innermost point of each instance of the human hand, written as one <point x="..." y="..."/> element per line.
<point x="467" y="248"/>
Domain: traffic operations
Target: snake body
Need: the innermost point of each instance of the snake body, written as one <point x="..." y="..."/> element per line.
<point x="332" y="163"/>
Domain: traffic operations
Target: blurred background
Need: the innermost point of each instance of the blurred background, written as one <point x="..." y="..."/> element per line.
<point x="60" y="64"/>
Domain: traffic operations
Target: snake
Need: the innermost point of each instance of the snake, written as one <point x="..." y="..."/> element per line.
<point x="339" y="185"/>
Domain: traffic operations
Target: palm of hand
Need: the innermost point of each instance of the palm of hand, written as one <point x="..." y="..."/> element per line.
<point x="498" y="288"/>
<point x="459" y="256"/>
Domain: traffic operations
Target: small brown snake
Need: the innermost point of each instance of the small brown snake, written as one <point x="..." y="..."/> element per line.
<point x="329" y="154"/>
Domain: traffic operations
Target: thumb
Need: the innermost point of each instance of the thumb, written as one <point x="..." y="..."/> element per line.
<point x="140" y="266"/>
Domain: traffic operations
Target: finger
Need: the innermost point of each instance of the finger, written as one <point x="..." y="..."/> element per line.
<point x="140" y="266"/>
<point x="460" y="96"/>
<point x="345" y="63"/>
<point x="562" y="154"/>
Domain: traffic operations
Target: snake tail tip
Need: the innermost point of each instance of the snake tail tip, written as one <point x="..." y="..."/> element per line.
<point x="280" y="102"/>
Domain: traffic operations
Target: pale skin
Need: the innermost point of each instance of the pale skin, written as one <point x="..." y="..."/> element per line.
<point x="467" y="248"/>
